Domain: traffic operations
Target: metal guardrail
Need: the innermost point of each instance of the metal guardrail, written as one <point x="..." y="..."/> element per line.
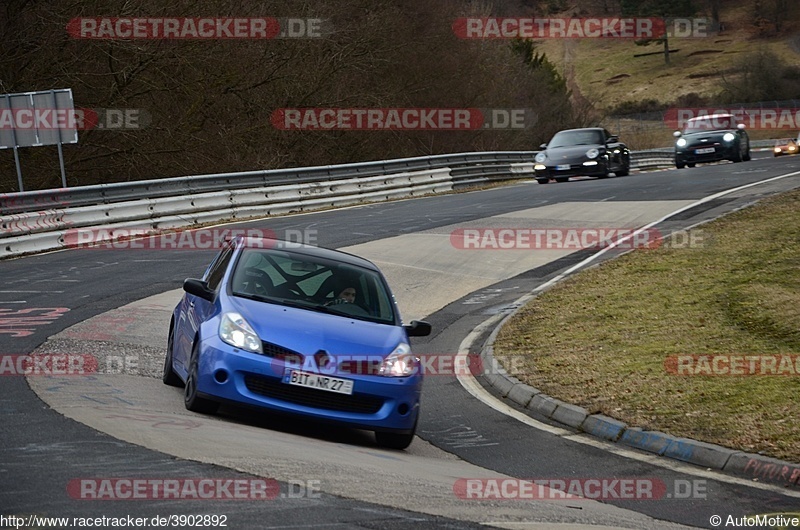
<point x="40" y="220"/>
<point x="62" y="218"/>
<point x="11" y="203"/>
<point x="653" y="158"/>
<point x="467" y="169"/>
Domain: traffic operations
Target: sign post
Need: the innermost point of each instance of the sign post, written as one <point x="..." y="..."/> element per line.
<point x="33" y="119"/>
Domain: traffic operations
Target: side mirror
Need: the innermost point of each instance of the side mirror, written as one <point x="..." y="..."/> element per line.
<point x="198" y="288"/>
<point x="612" y="139"/>
<point x="418" y="328"/>
<point x="676" y="134"/>
<point x="543" y="146"/>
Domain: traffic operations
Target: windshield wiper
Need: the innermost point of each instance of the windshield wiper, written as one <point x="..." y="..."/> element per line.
<point x="311" y="306"/>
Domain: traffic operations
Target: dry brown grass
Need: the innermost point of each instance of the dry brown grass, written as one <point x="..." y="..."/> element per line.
<point x="601" y="338"/>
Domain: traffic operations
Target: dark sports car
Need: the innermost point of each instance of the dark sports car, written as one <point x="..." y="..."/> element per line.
<point x="710" y="139"/>
<point x="592" y="152"/>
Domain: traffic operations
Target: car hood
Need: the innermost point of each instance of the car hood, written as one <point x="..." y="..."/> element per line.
<point x="573" y="152"/>
<point x="307" y="332"/>
<point x="707" y="134"/>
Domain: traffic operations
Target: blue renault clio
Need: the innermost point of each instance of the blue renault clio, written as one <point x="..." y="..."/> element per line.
<point x="297" y="329"/>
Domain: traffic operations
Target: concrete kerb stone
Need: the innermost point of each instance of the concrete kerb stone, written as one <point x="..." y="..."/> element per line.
<point x="544" y="404"/>
<point x="703" y="454"/>
<point x="764" y="469"/>
<point x="571" y="415"/>
<point x="651" y="441"/>
<point x="522" y="394"/>
<point x="502" y="383"/>
<point x="699" y="453"/>
<point x="603" y="427"/>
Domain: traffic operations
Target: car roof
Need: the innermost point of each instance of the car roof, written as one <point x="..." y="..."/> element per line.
<point x="582" y="129"/>
<point x="711" y="116"/>
<point x="307" y="250"/>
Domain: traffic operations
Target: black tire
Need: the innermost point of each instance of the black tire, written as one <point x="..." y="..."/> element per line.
<point x="691" y="164"/>
<point x="680" y="165"/>
<point x="624" y="171"/>
<point x="169" y="377"/>
<point x="543" y="181"/>
<point x="191" y="400"/>
<point x="737" y="155"/>
<point x="562" y="179"/>
<point x="393" y="440"/>
<point x="746" y="156"/>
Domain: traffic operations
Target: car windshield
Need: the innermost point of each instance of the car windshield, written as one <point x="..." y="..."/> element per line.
<point x="710" y="123"/>
<point x="568" y="138"/>
<point x="297" y="279"/>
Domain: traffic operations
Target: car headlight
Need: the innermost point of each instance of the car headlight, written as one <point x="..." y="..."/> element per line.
<point x="540" y="157"/>
<point x="728" y="137"/>
<point x="234" y="330"/>
<point x="399" y="363"/>
<point x="777" y="149"/>
<point x="681" y="142"/>
<point x="592" y="153"/>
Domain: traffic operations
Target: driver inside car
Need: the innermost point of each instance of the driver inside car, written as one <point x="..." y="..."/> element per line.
<point x="345" y="296"/>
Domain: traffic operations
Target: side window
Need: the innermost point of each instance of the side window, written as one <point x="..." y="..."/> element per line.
<point x="217" y="270"/>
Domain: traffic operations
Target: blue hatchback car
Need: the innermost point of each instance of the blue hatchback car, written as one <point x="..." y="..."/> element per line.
<point x="297" y="329"/>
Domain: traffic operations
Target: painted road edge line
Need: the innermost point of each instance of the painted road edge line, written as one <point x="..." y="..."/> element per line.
<point x="748" y="469"/>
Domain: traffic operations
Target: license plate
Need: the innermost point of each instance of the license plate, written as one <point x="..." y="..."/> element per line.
<point x="319" y="381"/>
<point x="704" y="151"/>
<point x="562" y="167"/>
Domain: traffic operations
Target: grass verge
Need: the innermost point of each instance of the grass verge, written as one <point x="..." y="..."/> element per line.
<point x="601" y="339"/>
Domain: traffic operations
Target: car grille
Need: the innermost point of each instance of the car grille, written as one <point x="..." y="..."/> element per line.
<point x="279" y="352"/>
<point x="310" y="397"/>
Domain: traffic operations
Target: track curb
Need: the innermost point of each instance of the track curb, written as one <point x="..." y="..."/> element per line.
<point x="755" y="467"/>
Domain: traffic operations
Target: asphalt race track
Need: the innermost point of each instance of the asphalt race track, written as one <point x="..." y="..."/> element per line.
<point x="114" y="304"/>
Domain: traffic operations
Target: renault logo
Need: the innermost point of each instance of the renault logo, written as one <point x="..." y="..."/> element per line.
<point x="322" y="359"/>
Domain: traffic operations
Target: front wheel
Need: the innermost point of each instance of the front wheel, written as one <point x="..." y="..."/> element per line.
<point x="737" y="156"/>
<point x="169" y="377"/>
<point x="542" y="181"/>
<point x="191" y="400"/>
<point x="562" y="179"/>
<point x="393" y="440"/>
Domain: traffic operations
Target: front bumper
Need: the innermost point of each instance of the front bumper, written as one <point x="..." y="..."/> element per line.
<point x="377" y="403"/>
<point x="689" y="154"/>
<point x="573" y="170"/>
<point x="784" y="152"/>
